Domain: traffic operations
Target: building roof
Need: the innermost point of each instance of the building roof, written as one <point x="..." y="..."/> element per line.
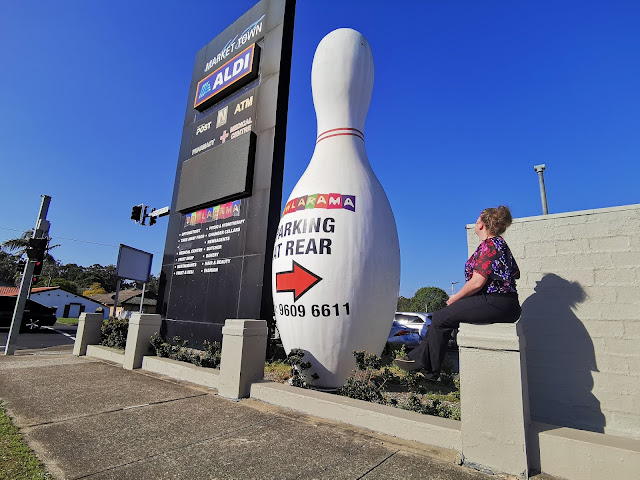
<point x="136" y="301"/>
<point x="123" y="296"/>
<point x="12" y="291"/>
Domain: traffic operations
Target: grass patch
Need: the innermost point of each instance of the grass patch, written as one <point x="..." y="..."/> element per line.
<point x="17" y="461"/>
<point x="277" y="371"/>
<point x="68" y="321"/>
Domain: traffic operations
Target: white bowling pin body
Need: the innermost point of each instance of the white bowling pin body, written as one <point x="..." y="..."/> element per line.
<point x="336" y="262"/>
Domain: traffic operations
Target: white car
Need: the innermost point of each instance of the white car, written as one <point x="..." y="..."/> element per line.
<point x="409" y="328"/>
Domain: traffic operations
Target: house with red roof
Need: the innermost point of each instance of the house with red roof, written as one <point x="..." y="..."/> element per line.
<point x="67" y="304"/>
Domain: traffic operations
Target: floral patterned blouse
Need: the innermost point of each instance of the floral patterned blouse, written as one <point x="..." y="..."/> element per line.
<point x="494" y="261"/>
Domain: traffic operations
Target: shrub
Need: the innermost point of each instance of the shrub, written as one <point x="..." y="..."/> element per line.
<point x="179" y="350"/>
<point x="275" y="350"/>
<point x="393" y="350"/>
<point x="114" y="333"/>
<point x="294" y="360"/>
<point x="369" y="379"/>
<point x="448" y="375"/>
<point x="361" y="384"/>
<point x="432" y="407"/>
<point x="211" y="357"/>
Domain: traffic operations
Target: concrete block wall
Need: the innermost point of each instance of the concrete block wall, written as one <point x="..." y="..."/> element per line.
<point x="580" y="294"/>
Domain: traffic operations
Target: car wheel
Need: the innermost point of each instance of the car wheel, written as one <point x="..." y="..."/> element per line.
<point x="31" y="325"/>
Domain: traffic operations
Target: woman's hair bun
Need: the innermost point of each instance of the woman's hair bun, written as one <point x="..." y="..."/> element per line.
<point x="496" y="219"/>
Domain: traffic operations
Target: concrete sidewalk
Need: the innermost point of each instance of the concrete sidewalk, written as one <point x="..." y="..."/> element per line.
<point x="89" y="419"/>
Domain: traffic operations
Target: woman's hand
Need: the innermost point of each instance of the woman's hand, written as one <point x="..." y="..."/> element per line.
<point x="473" y="286"/>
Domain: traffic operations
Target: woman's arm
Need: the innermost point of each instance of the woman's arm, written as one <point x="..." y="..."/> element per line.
<point x="475" y="283"/>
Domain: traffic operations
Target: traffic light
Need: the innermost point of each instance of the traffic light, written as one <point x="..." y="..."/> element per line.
<point x="37" y="268"/>
<point x="144" y="214"/>
<point x="152" y="218"/>
<point x="136" y="213"/>
<point x="37" y="248"/>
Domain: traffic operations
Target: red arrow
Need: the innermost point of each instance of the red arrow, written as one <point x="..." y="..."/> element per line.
<point x="298" y="280"/>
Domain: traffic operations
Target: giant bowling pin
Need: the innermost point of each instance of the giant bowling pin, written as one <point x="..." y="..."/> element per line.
<point x="336" y="261"/>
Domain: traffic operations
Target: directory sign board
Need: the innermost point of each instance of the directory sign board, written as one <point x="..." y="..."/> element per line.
<point x="228" y="186"/>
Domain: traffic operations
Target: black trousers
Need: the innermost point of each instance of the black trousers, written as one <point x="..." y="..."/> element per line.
<point x="479" y="308"/>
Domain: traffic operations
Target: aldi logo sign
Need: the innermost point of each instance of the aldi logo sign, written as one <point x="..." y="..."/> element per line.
<point x="233" y="74"/>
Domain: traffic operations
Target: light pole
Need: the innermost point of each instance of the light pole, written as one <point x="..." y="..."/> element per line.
<point x="543" y="193"/>
<point x="40" y="233"/>
<point x="452" y="284"/>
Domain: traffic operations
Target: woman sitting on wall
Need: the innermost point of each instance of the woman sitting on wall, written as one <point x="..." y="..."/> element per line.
<point x="488" y="296"/>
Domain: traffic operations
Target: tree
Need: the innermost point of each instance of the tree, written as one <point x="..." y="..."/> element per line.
<point x="51" y="270"/>
<point x="105" y="275"/>
<point x="10" y="266"/>
<point x="65" y="284"/>
<point x="72" y="272"/>
<point x="152" y="285"/>
<point x="429" y="299"/>
<point x="94" y="289"/>
<point x="404" y="304"/>
<point x="18" y="246"/>
<point x="426" y="299"/>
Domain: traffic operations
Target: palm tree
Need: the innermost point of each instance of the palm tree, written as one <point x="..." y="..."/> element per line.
<point x="18" y="246"/>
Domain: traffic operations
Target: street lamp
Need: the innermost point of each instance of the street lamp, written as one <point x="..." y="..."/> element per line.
<point x="543" y="193"/>
<point x="452" y="284"/>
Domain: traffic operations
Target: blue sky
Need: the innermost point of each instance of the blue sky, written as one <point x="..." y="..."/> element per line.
<point x="468" y="97"/>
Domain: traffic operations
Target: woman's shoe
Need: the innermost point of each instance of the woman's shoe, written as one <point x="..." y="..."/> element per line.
<point x="405" y="363"/>
<point x="431" y="376"/>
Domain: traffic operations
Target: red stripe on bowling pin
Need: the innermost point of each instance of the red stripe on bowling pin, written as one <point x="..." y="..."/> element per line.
<point x="339" y="132"/>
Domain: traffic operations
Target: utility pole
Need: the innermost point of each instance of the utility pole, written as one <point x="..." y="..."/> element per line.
<point x="543" y="193"/>
<point x="41" y="230"/>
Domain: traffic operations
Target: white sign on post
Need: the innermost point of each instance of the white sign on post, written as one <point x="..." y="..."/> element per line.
<point x="134" y="264"/>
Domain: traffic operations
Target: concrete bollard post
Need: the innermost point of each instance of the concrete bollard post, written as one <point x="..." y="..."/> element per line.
<point x="494" y="398"/>
<point x="141" y="327"/>
<point x="88" y="333"/>
<point x="244" y="347"/>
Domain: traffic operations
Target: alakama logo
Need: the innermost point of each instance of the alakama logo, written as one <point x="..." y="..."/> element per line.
<point x="321" y="200"/>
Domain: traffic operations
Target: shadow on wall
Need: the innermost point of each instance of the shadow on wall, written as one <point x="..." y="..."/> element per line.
<point x="560" y="357"/>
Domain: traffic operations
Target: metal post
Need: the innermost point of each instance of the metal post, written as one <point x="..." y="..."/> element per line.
<point x="452" y="284"/>
<point x="543" y="193"/>
<point x="144" y="286"/>
<point x="40" y="231"/>
<point x="115" y="299"/>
